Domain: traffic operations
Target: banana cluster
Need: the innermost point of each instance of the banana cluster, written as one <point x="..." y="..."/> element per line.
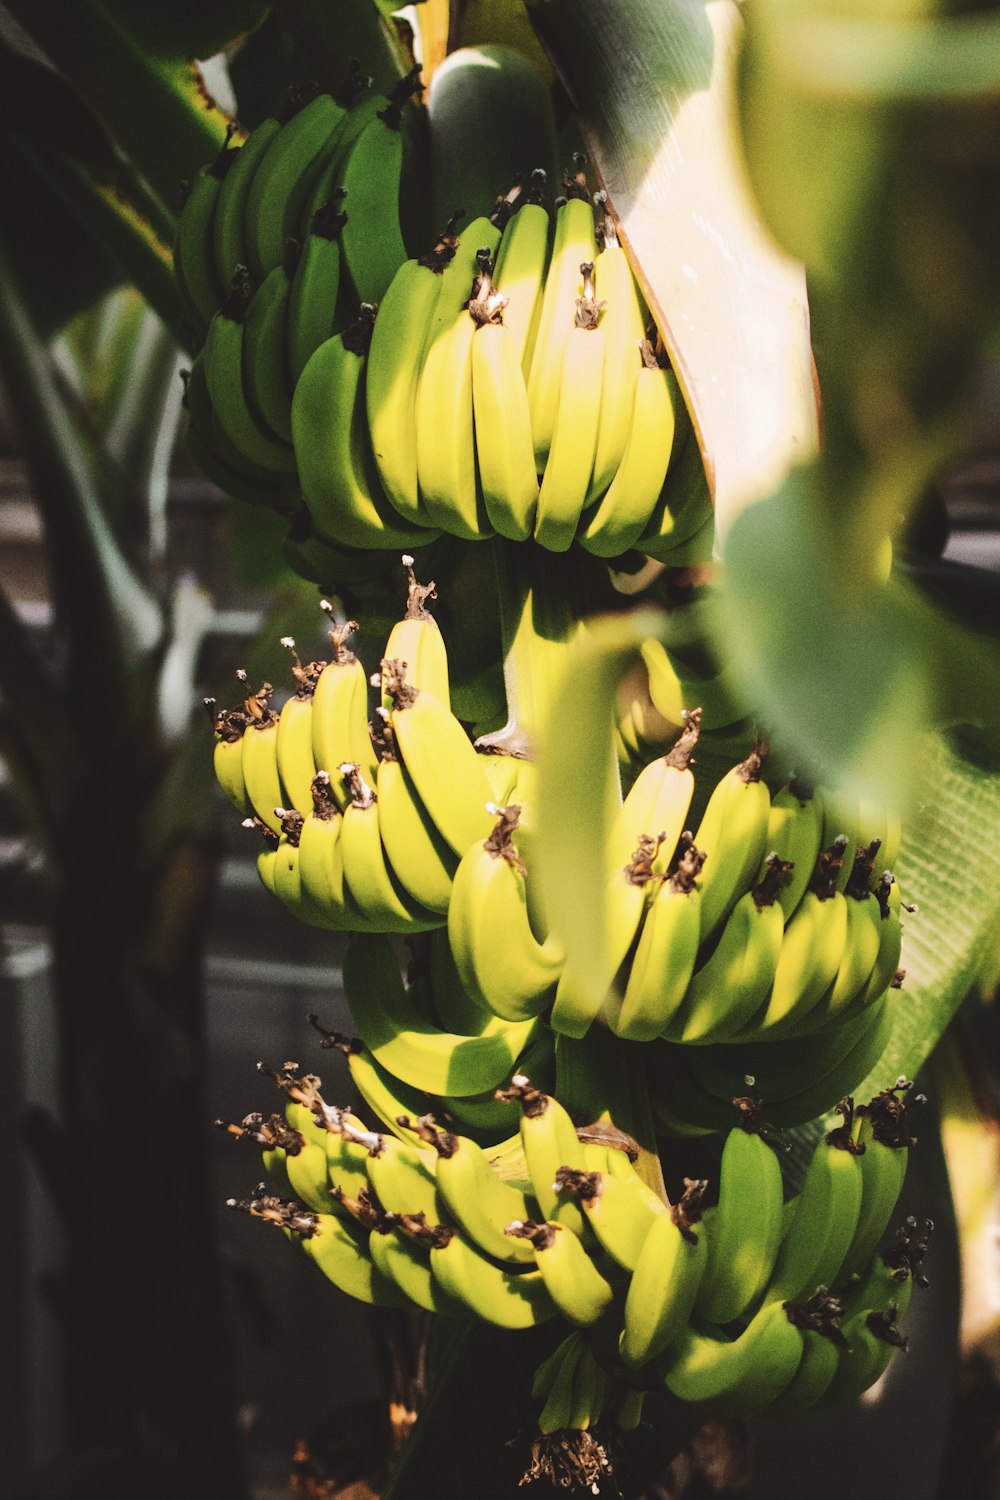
<point x="776" y="918"/>
<point x="755" y="1306"/>
<point x="279" y="240"/>
<point x="508" y="382"/>
<point x="364" y="815"/>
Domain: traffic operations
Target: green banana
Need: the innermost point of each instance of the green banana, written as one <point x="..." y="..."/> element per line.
<point x="294" y="748"/>
<point x="497" y="1294"/>
<point x="550" y="1141"/>
<point x="504" y="450"/>
<point x="479" y="1201"/>
<point x="630" y="496"/>
<point x="283" y="177"/>
<point x="312" y="294"/>
<point x="416" y="644"/>
<point x="259" y="759"/>
<point x="418" y="857"/>
<point x="231" y="208"/>
<point x="740" y="1376"/>
<point x="267" y="378"/>
<point x="224" y="362"/>
<point x="886" y="1143"/>
<point x="623" y="324"/>
<point x="194" y="247"/>
<point x="820" y="1229"/>
<point x="554" y="1382"/>
<point x="569" y="462"/>
<point x="669" y="1269"/>
<point x="732" y="835"/>
<point x="229" y="725"/>
<point x="441" y="762"/>
<point x="398" y="1255"/>
<point x="665" y="955"/>
<point x="734" y="982"/>
<point x="340" y="714"/>
<point x="811" y="951"/>
<point x="521" y="262"/>
<point x="337" y="474"/>
<point x="574" y="244"/>
<point x="372" y="239"/>
<point x="371" y="886"/>
<point x="574" y="1283"/>
<point x="745" y="1233"/>
<point x="417" y="1052"/>
<point x="794" y="832"/>
<point x="499" y="960"/>
<point x="620" y="1210"/>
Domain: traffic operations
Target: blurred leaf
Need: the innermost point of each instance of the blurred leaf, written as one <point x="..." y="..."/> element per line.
<point x="653" y="84"/>
<point x="155" y="107"/>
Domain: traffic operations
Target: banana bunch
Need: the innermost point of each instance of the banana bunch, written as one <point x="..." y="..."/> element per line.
<point x="751" y="1307"/>
<point x="366" y="803"/>
<point x="777" y="918"/>
<point x="494" y="393"/>
<point x="279" y="239"/>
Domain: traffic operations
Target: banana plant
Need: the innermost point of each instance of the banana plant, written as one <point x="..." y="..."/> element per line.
<point x="702" y="123"/>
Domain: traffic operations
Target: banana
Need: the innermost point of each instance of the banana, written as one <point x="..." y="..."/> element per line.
<point x="823" y="1345"/>
<point x="841" y="819"/>
<point x="664" y="959"/>
<point x="400" y="1258"/>
<point x="794" y="833"/>
<point x="343" y="1257"/>
<point x="306" y="1161"/>
<point x="416" y="644"/>
<point x="641" y="843"/>
<point x="229" y="725"/>
<point x="268" y="855"/>
<point x="811" y="951"/>
<point x="575" y="1284"/>
<point x="731" y="835"/>
<point x="312" y="293"/>
<point x="681" y="527"/>
<point x="620" y="1210"/>
<point x="745" y="1233"/>
<point x="497" y="1294"/>
<point x="404" y="1178"/>
<point x="500" y="962"/>
<point x="283" y="178"/>
<point x="886" y="1143"/>
<point x="732" y="984"/>
<point x="885" y="972"/>
<point x="554" y="1380"/>
<point x="371" y="886"/>
<point x="446" y="457"/>
<point x="521" y="261"/>
<point x="550" y="1142"/>
<point x="505" y="453"/>
<point x="629" y="497"/>
<point x="418" y="857"/>
<point x="623" y="324"/>
<point x="294" y="748"/>
<point x="340" y="714"/>
<point x="574" y="244"/>
<point x="875" y="1029"/>
<point x="872" y="1338"/>
<point x="569" y="461"/>
<point x="259" y="759"/>
<point x="741" y="1376"/>
<point x="230" y="211"/>
<point x="820" y="1229"/>
<point x="267" y="379"/>
<point x="337" y="474"/>
<point x="664" y="1284"/>
<point x="674" y="689"/>
<point x="861" y="943"/>
<point x="286" y="875"/>
<point x="321" y="858"/>
<point x="362" y="107"/>
<point x="223" y="363"/>
<point x="395" y="358"/>
<point x="194" y="247"/>
<point x="416" y="1051"/>
<point x="479" y="1201"/>
<point x="441" y="761"/>
<point x="372" y="240"/>
<point x="386" y="1096"/>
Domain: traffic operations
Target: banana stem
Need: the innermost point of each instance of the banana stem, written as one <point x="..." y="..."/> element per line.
<point x="542" y="599"/>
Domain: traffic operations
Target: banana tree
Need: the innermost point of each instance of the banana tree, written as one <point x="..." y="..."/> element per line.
<point x="868" y="662"/>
